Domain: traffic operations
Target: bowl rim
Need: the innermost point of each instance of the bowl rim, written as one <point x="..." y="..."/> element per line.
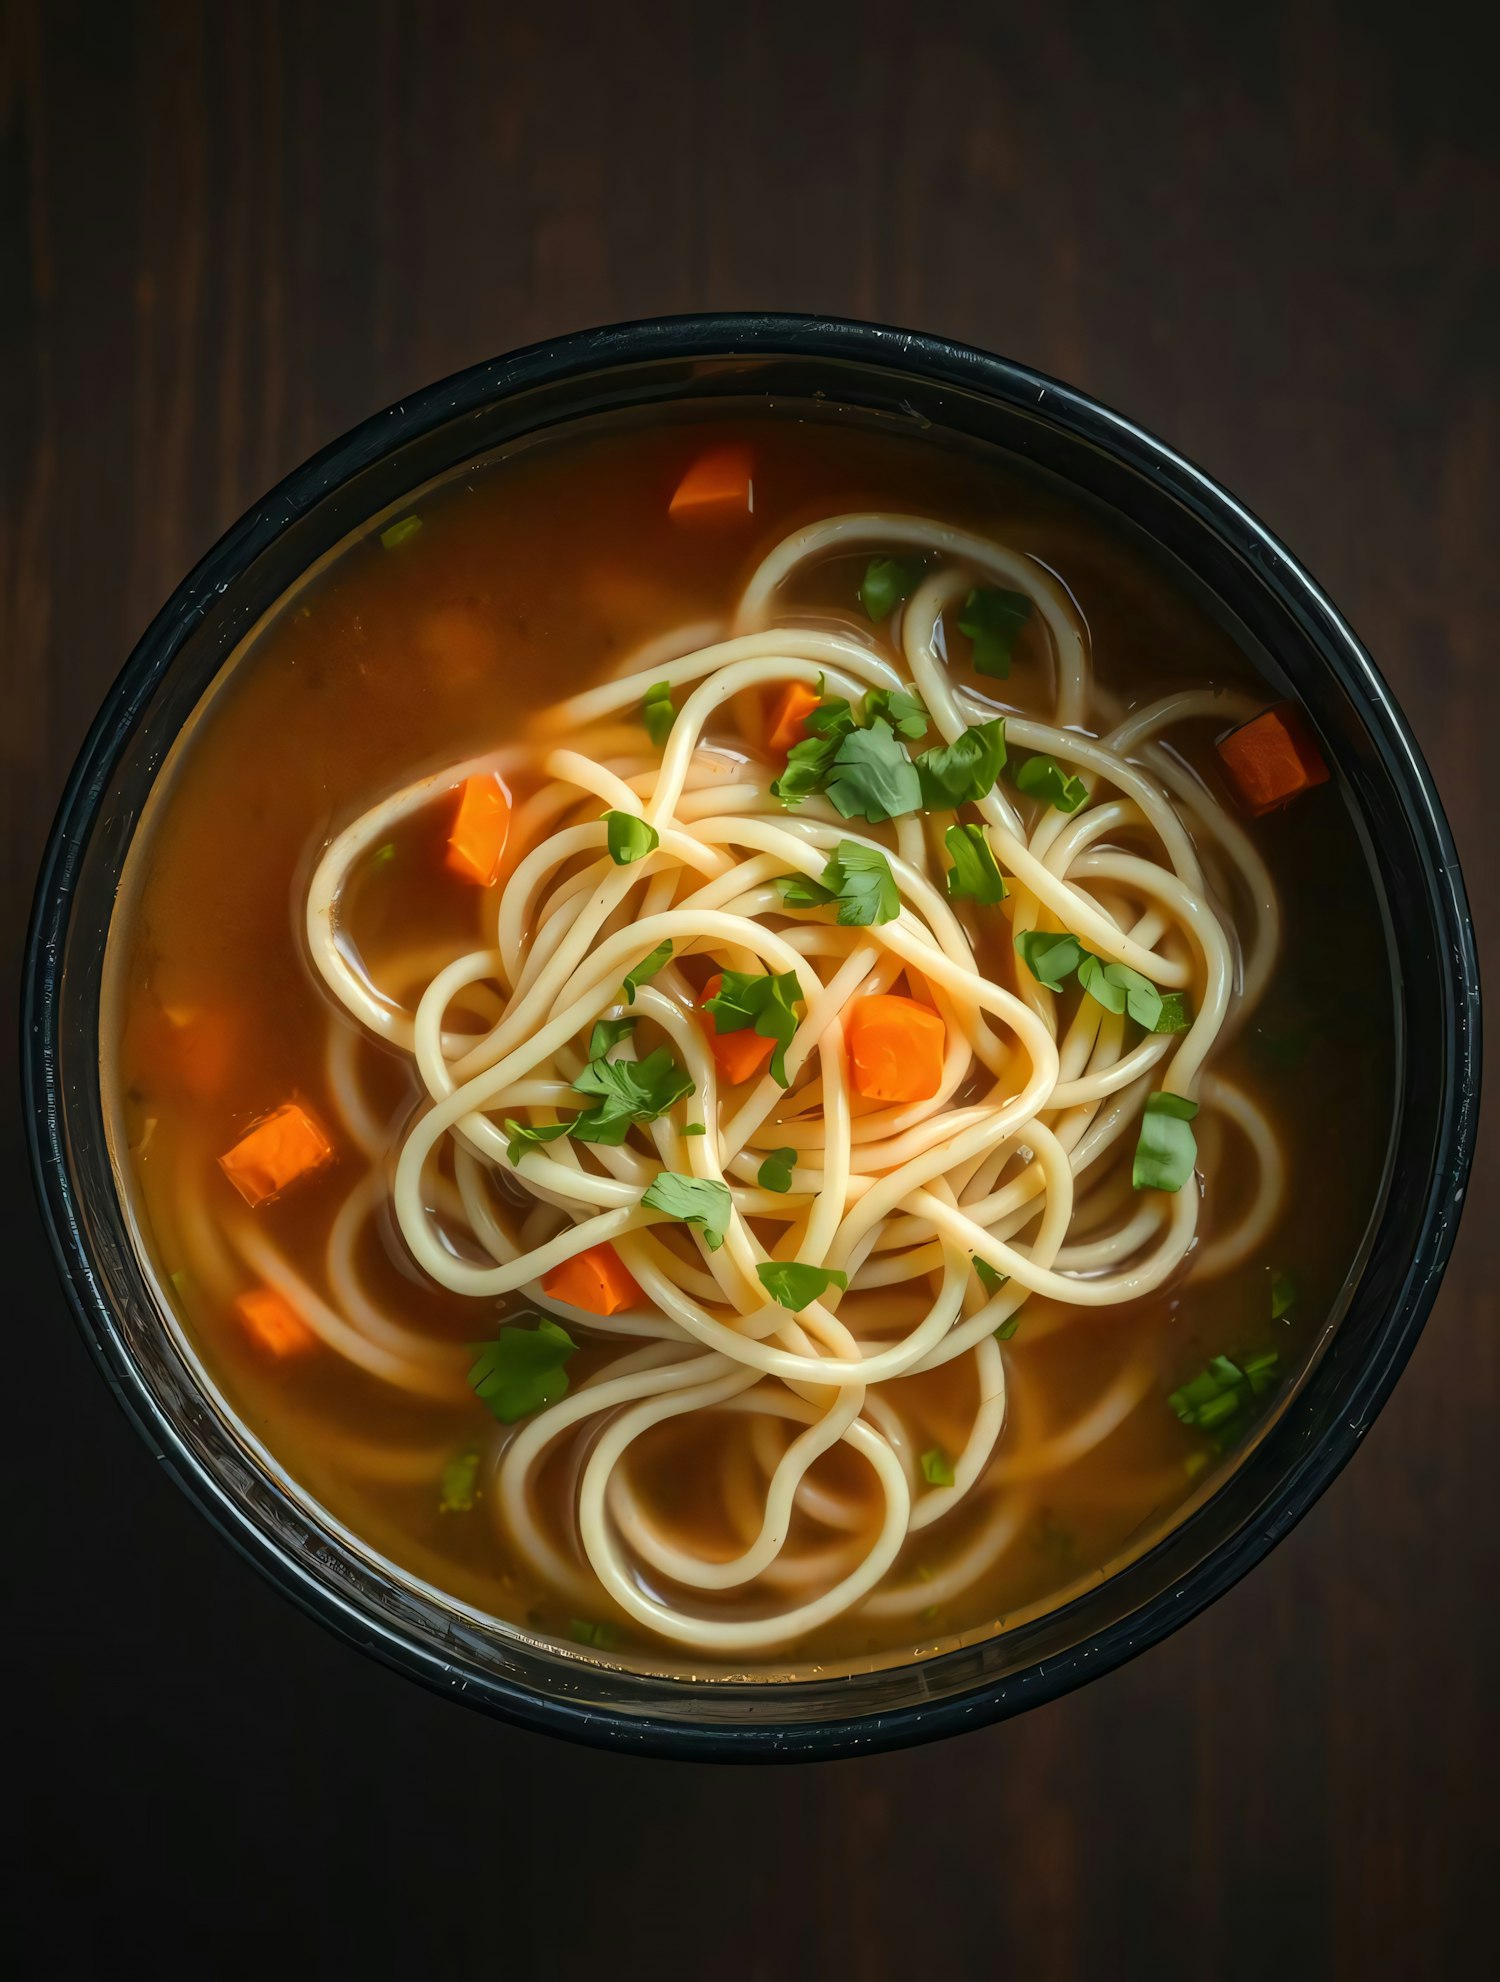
<point x="936" y="361"/>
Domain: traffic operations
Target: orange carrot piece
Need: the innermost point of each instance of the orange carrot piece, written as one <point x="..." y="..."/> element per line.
<point x="481" y="825"/>
<point x="716" y="489"/>
<point x="287" y="1145"/>
<point x="737" y="1055"/>
<point x="273" y="1323"/>
<point x="896" y="1048"/>
<point x="789" y="712"/>
<point x="595" y="1280"/>
<point x="1272" y="758"/>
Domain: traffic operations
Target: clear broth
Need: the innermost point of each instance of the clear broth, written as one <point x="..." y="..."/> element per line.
<point x="531" y="577"/>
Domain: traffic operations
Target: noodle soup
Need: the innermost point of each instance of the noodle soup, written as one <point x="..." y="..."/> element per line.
<point x="732" y="1042"/>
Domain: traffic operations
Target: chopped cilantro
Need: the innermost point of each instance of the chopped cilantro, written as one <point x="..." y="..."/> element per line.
<point x="700" y="1201"/>
<point x="964" y="771"/>
<point x="746" y="999"/>
<point x="888" y="583"/>
<point x="1167" y="1148"/>
<point x="859" y="877"/>
<point x="630" y="838"/>
<point x="608" y="1033"/>
<point x="523" y="1369"/>
<point x="1049" y="958"/>
<point x="658" y="712"/>
<point x="775" y="1173"/>
<point x="646" y="969"/>
<point x="871" y="777"/>
<point x="1044" y="777"/>
<point x="793" y="1284"/>
<point x="992" y="618"/>
<point x="627" y="1091"/>
<point x="975" y="875"/>
<point x="1118" y="988"/>
<point x="458" y="1488"/>
<point x="937" y="1467"/>
<point x="521" y="1136"/>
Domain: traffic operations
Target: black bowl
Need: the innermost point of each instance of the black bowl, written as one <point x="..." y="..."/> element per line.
<point x="1277" y="612"/>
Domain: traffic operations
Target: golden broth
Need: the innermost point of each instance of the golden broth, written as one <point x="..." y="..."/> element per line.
<point x="530" y="578"/>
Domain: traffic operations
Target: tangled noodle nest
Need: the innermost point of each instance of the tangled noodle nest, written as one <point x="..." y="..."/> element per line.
<point x="1021" y="1160"/>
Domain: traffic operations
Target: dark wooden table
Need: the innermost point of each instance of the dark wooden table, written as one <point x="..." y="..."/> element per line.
<point x="229" y="231"/>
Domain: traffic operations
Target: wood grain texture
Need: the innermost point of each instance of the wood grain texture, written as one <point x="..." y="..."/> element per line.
<point x="229" y="231"/>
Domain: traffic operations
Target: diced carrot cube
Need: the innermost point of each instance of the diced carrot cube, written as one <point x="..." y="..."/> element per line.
<point x="481" y="824"/>
<point x="287" y="1145"/>
<point x="273" y="1323"/>
<point x="895" y="1048"/>
<point x="594" y="1280"/>
<point x="739" y="1056"/>
<point x="717" y="488"/>
<point x="789" y="712"/>
<point x="1272" y="758"/>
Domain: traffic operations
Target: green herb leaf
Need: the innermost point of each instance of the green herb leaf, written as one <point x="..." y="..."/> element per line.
<point x="871" y="776"/>
<point x="791" y="1284"/>
<point x="807" y="766"/>
<point x="521" y="1136"/>
<point x="603" y="1637"/>
<point x="523" y="1369"/>
<point x="1050" y="958"/>
<point x="645" y="970"/>
<point x="630" y="838"/>
<point x="992" y="618"/>
<point x="1225" y="1391"/>
<point x="775" y="1173"/>
<point x="607" y="1034"/>
<point x="832" y="716"/>
<point x="1118" y="988"/>
<point x="798" y="892"/>
<point x="989" y="1279"/>
<point x="400" y="532"/>
<point x="629" y="1091"/>
<point x="1283" y="1295"/>
<point x="766" y="1002"/>
<point x="1044" y="777"/>
<point x="975" y="875"/>
<point x="937" y="1467"/>
<point x="695" y="1129"/>
<point x="1174" y="1015"/>
<point x="860" y="878"/>
<point x="459" y="1487"/>
<point x="1008" y="1327"/>
<point x="383" y="855"/>
<point x="700" y="1201"/>
<point x="1167" y="1148"/>
<point x="888" y="582"/>
<point x="903" y="710"/>
<point x="964" y="771"/>
<point x="658" y="712"/>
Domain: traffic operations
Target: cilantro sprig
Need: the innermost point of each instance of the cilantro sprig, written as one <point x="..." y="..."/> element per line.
<point x="701" y="1201"/>
<point x="975" y="875"/>
<point x="992" y="618"/>
<point x="658" y="712"/>
<point x="765" y="1001"/>
<point x="630" y="838"/>
<point x="888" y="582"/>
<point x="1166" y="1151"/>
<point x="1044" y="778"/>
<point x="793" y="1284"/>
<point x="523" y="1369"/>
